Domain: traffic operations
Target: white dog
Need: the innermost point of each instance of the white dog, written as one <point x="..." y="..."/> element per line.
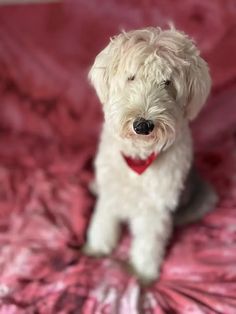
<point x="151" y="83"/>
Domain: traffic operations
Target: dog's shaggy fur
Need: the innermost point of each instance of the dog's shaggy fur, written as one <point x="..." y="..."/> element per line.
<point x="156" y="75"/>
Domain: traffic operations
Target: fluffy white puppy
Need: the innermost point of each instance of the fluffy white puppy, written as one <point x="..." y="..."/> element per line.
<point x="151" y="83"/>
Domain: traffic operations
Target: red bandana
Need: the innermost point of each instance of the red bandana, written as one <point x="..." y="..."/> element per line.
<point x="140" y="165"/>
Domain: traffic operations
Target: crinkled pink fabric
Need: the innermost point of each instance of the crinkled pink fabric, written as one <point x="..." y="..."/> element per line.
<point x="49" y="127"/>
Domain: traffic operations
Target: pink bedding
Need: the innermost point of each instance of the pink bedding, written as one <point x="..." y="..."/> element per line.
<point x="49" y="126"/>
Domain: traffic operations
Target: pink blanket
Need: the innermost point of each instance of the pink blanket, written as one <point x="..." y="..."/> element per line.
<point x="49" y="126"/>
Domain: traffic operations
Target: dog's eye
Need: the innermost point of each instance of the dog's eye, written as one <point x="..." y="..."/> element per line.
<point x="167" y="82"/>
<point x="131" y="78"/>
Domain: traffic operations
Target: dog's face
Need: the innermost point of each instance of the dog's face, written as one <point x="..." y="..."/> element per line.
<point x="149" y="81"/>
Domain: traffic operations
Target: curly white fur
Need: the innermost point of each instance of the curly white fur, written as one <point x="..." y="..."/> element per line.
<point x="130" y="77"/>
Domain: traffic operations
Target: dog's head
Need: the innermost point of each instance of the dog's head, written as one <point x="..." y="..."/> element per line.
<point x="149" y="81"/>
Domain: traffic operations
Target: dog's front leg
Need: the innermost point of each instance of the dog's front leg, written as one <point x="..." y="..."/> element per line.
<point x="151" y="231"/>
<point x="103" y="231"/>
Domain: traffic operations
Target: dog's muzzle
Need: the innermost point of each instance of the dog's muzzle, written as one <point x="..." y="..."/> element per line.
<point x="142" y="126"/>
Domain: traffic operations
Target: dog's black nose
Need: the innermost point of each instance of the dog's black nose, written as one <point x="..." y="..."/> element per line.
<point x="142" y="126"/>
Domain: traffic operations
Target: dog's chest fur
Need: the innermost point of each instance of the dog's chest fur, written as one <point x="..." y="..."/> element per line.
<point x="165" y="176"/>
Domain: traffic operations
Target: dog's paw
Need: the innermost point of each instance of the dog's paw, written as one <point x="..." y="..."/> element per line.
<point x="145" y="266"/>
<point x="95" y="252"/>
<point x="144" y="276"/>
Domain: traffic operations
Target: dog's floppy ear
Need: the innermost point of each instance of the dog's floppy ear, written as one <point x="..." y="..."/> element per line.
<point x="198" y="86"/>
<point x="98" y="74"/>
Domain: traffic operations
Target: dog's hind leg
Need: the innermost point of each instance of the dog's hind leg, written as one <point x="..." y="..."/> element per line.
<point x="197" y="199"/>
